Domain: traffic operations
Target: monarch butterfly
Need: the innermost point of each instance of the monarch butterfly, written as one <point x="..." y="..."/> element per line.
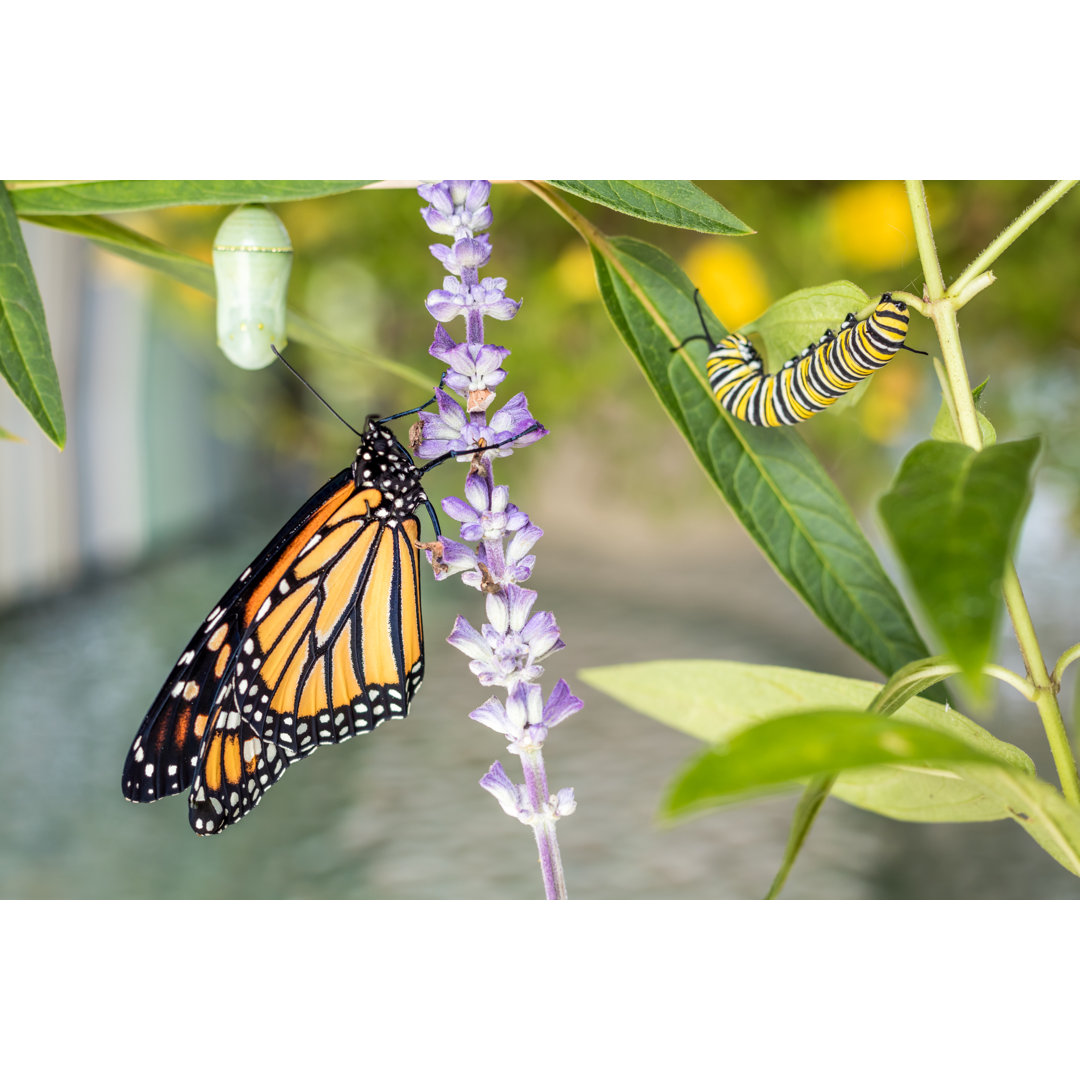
<point x="809" y="382"/>
<point x="318" y="640"/>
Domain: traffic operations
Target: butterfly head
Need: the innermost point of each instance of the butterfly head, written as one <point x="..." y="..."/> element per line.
<point x="383" y="463"/>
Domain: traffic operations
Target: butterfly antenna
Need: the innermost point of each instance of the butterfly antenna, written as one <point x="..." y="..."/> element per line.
<point x="407" y="412"/>
<point x="316" y="392"/>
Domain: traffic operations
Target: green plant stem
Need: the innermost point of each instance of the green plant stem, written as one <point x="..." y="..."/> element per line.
<point x="943" y="313"/>
<point x="943" y="305"/>
<point x="1045" y="697"/>
<point x="813" y="799"/>
<point x="924" y="238"/>
<point x="1066" y="658"/>
<point x="1008" y="236"/>
<point x="1017" y="682"/>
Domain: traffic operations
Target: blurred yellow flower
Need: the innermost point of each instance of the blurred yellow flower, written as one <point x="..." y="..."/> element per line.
<point x="730" y="280"/>
<point x="869" y="223"/>
<point x="892" y="394"/>
<point x="575" y="273"/>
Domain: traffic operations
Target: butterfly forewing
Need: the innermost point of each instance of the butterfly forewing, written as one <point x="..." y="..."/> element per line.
<point x="319" y="640"/>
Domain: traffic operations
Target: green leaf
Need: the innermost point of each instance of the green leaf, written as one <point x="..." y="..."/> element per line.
<point x="116" y="196"/>
<point x="769" y="478"/>
<point x="5" y="434"/>
<point x="1036" y="807"/>
<point x="945" y="428"/>
<point x="198" y="274"/>
<point x="802" y="317"/>
<point x="714" y="700"/>
<point x="25" y="354"/>
<point x="777" y="753"/>
<point x="678" y="203"/>
<point x="904" y="684"/>
<point x="129" y="244"/>
<point x="953" y="514"/>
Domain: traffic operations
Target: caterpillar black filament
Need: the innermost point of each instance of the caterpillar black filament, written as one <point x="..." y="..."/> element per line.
<point x="809" y="382"/>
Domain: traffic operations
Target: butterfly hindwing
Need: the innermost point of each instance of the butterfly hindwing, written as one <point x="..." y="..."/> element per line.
<point x="235" y="767"/>
<point x="163" y="757"/>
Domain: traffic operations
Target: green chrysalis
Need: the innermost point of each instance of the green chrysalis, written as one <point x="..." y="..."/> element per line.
<point x="252" y="260"/>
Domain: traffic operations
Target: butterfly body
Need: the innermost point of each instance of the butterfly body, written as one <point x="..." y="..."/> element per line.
<point x="318" y="640"/>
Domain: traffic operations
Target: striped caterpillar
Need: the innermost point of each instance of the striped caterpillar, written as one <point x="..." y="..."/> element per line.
<point x="809" y="382"/>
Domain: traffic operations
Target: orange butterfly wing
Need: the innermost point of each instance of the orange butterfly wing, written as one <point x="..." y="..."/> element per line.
<point x="319" y="640"/>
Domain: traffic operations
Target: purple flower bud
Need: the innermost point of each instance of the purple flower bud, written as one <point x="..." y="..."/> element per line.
<point x="513" y="417"/>
<point x="449" y="301"/>
<point x="562" y="803"/>
<point x="468" y="253"/>
<point x="442" y="431"/>
<point x="510" y="796"/>
<point x="495" y="715"/>
<point x="471" y="367"/>
<point x="489" y="298"/>
<point x="452" y="429"/>
<point x="560" y="704"/>
<point x="509" y="647"/>
<point x="522" y="542"/>
<point x="489" y="514"/>
<point x="486" y="298"/>
<point x="457" y="206"/>
<point x="465" y="638"/>
<point x="516" y="572"/>
<point x="456" y="559"/>
<point x="525" y="719"/>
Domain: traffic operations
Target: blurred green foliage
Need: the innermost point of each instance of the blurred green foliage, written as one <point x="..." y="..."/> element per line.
<point x="362" y="270"/>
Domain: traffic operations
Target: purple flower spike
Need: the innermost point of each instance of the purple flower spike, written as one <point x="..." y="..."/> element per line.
<point x="508" y="650"/>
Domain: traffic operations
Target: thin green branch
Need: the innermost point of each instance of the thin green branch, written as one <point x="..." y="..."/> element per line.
<point x="1045" y="698"/>
<point x="1017" y="682"/>
<point x="961" y="296"/>
<point x="1010" y="235"/>
<point x="1066" y="658"/>
<point x="813" y="799"/>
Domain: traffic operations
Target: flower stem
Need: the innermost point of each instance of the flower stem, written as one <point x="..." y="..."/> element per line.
<point x="547" y="843"/>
